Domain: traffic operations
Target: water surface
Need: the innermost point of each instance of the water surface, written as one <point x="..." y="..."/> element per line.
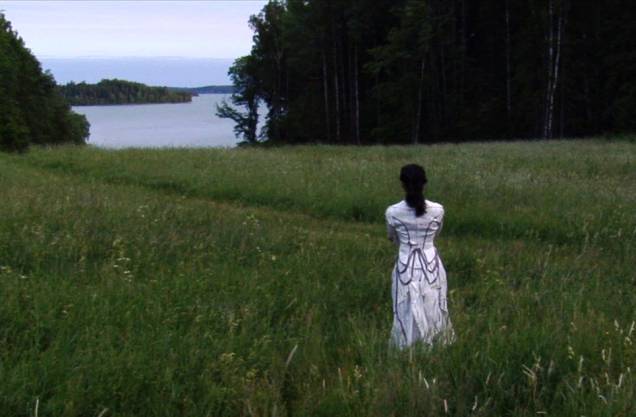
<point x="159" y="125"/>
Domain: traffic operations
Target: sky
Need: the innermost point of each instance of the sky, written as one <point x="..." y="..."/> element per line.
<point x="205" y="34"/>
<point x="196" y="29"/>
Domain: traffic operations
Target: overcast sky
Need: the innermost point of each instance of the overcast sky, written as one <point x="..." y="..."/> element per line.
<point x="197" y="29"/>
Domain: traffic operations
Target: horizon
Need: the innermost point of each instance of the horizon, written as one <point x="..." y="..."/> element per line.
<point x="153" y="71"/>
<point x="194" y="42"/>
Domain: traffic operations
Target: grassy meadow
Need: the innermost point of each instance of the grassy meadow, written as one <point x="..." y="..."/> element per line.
<point x="256" y="282"/>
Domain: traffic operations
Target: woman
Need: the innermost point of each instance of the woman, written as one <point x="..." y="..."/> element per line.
<point x="420" y="312"/>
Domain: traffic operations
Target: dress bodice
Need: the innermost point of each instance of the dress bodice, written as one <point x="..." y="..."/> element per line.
<point x="415" y="236"/>
<point x="409" y="231"/>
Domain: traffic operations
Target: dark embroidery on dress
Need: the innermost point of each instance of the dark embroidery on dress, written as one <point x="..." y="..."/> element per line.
<point x="416" y="261"/>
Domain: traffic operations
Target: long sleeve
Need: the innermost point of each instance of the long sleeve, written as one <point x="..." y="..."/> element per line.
<point x="441" y="223"/>
<point x="390" y="229"/>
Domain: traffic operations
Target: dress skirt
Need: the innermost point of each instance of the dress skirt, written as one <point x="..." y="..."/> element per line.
<point x="420" y="311"/>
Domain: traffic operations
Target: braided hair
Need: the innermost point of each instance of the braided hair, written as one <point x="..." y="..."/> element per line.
<point x="413" y="178"/>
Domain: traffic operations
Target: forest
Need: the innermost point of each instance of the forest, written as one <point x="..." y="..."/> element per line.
<point x="421" y="71"/>
<point x="31" y="109"/>
<point x="120" y="92"/>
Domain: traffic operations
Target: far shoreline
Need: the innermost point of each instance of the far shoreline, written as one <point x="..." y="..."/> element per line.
<point x="148" y="104"/>
<point x="121" y="92"/>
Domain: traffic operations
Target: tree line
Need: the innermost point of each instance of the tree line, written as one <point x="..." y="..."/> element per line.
<point x="418" y="71"/>
<point x="213" y="89"/>
<point x="120" y="92"/>
<point x="31" y="109"/>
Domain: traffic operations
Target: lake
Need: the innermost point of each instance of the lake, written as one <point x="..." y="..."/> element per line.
<point x="160" y="125"/>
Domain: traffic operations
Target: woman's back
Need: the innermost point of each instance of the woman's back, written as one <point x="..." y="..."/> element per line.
<point x="411" y="231"/>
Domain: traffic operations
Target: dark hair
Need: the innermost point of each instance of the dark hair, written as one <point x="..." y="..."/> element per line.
<point x="413" y="179"/>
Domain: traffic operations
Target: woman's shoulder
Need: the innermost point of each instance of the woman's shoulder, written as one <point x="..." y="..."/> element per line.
<point x="401" y="209"/>
<point x="397" y="207"/>
<point x="434" y="208"/>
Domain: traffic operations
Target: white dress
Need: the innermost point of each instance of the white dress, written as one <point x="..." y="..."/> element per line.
<point x="419" y="286"/>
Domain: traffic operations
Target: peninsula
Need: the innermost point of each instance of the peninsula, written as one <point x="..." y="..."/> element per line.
<point x="121" y="92"/>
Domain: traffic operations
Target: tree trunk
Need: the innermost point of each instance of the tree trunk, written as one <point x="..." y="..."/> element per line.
<point x="550" y="67"/>
<point x="253" y="120"/>
<point x="378" y="101"/>
<point x="557" y="63"/>
<point x="276" y="96"/>
<point x="464" y="50"/>
<point x="418" y="113"/>
<point x="336" y="82"/>
<point x="435" y="110"/>
<point x="562" y="98"/>
<point x="356" y="93"/>
<point x="444" y="89"/>
<point x="554" y="55"/>
<point x="508" y="68"/>
<point x="352" y="95"/>
<point x="325" y="86"/>
<point x="344" y="91"/>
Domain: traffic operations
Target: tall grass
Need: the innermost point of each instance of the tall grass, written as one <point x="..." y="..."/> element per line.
<point x="256" y="282"/>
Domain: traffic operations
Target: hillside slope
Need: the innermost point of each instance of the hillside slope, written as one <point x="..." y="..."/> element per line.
<point x="256" y="281"/>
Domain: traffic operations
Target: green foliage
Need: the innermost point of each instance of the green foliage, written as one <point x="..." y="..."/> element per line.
<point x="243" y="77"/>
<point x="78" y="127"/>
<point x="408" y="46"/>
<point x="14" y="135"/>
<point x="267" y="64"/>
<point x="120" y="92"/>
<point x="402" y="71"/>
<point x="237" y="282"/>
<point x="31" y="109"/>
